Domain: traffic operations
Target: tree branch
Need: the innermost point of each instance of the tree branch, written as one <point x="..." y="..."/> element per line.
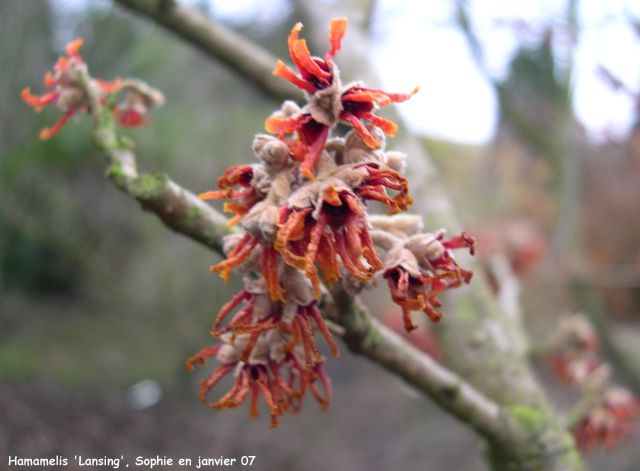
<point x="179" y="209"/>
<point x="215" y="39"/>
<point x="366" y="336"/>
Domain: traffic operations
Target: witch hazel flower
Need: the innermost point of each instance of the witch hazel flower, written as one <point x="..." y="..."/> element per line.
<point x="609" y="421"/>
<point x="296" y="315"/>
<point x="328" y="101"/>
<point x="72" y="90"/>
<point x="418" y="267"/>
<point x="325" y="220"/>
<point x="262" y="189"/>
<point x="264" y="337"/>
<point x="261" y="374"/>
<point x="303" y="209"/>
<point x="139" y="100"/>
<point x="576" y="359"/>
<point x="69" y="93"/>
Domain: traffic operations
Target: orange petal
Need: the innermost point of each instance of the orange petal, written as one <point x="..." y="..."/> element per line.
<point x="388" y="127"/>
<point x="49" y="80"/>
<point x="304" y="57"/>
<point x="72" y="48"/>
<point x="38" y="101"/>
<point x="337" y="28"/>
<point x="374" y="94"/>
<point x="322" y="327"/>
<point x="211" y="195"/>
<point x="203" y="356"/>
<point x="214" y="378"/>
<point x="109" y="87"/>
<point x="285" y="72"/>
<point x="361" y="130"/>
<point x="269" y="265"/>
<point x="293" y="37"/>
<point x="331" y="196"/>
<point x="48" y="133"/>
<point x="311" y="272"/>
<point x="286" y="126"/>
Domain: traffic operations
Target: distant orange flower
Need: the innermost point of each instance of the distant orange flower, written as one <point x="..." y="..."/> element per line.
<point x="609" y="421"/>
<point x="68" y="94"/>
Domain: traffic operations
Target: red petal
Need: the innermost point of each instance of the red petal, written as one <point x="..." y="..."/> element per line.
<point x="131" y="118"/>
<point x="313" y="153"/>
<point x="71" y="49"/>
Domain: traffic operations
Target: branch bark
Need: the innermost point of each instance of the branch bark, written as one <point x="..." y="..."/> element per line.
<point x="179" y="209"/>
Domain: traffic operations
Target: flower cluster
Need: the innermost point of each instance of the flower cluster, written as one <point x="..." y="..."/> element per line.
<point x="328" y="101"/>
<point x="607" y="411"/>
<point x="610" y="420"/>
<point x="73" y="91"/>
<point x="303" y="209"/>
<point x="419" y="266"/>
<point x="576" y="359"/>
<point x="263" y="338"/>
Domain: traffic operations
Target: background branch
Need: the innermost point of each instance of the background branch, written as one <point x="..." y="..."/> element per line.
<point x="250" y="60"/>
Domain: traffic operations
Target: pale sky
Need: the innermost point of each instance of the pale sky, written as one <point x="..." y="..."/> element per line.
<point x="416" y="43"/>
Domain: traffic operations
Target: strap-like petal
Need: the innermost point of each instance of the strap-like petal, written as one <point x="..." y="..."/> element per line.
<point x="285" y="72"/>
<point x="337" y="28"/>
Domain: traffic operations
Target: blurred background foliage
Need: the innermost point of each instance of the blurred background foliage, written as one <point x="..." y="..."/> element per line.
<point x="96" y="295"/>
